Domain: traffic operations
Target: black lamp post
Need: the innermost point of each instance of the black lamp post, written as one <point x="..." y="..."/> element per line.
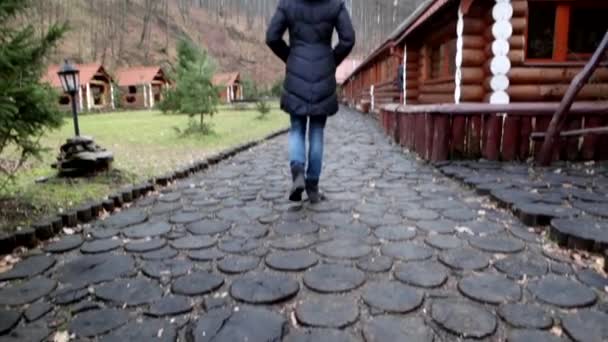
<point x="70" y="82"/>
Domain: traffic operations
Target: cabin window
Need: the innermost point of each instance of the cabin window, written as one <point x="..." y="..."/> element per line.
<point x="541" y="30"/>
<point x="442" y="60"/>
<point x="587" y="28"/>
<point x="132" y="90"/>
<point x="98" y="93"/>
<point x="64" y="100"/>
<point x="435" y="54"/>
<point x="564" y="31"/>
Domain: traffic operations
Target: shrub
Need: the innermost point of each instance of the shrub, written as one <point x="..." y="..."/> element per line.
<point x="263" y="109"/>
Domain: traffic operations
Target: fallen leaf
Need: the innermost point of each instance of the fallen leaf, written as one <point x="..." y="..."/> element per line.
<point x="293" y="319"/>
<point x="464" y="230"/>
<point x="61" y="336"/>
<point x="557" y="331"/>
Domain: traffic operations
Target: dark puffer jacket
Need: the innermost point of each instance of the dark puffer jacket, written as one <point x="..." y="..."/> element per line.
<point x="310" y="80"/>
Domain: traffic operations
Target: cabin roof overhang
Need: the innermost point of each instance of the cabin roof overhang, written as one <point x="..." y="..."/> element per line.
<point x="87" y="74"/>
<point x="425" y="11"/>
<point x="135" y="76"/>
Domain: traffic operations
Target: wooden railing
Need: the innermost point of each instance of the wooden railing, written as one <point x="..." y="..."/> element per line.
<point x="494" y="132"/>
<point x="558" y="122"/>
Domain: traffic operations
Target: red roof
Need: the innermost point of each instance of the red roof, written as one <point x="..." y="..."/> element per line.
<point x="225" y="79"/>
<point x="87" y="72"/>
<point x="346" y="68"/>
<point x="137" y="75"/>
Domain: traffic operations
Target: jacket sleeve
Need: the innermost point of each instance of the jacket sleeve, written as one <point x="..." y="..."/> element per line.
<point x="274" y="34"/>
<point x="346" y="35"/>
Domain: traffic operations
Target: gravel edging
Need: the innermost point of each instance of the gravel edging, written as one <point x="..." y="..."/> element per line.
<point x="53" y="225"/>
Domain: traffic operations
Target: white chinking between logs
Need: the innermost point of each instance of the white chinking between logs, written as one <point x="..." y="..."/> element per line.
<point x="404" y="74"/>
<point x="459" y="49"/>
<point x="502" y="30"/>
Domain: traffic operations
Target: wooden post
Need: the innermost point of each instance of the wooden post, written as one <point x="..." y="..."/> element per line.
<point x="458" y="137"/>
<point x="428" y="135"/>
<point x="151" y="95"/>
<point x="492" y="136"/>
<point x="411" y="135"/>
<point x="577" y="84"/>
<point x="403" y="129"/>
<point x="389" y="124"/>
<point x="441" y="137"/>
<point x="541" y="125"/>
<point x="510" y="138"/>
<point x="474" y="136"/>
<point x="372" y="99"/>
<point x="80" y="100"/>
<point x="590" y="142"/>
<point x="396" y="124"/>
<point x="419" y="132"/>
<point x="112" y="102"/>
<point x="525" y="129"/>
<point x="89" y="97"/>
<point x="603" y="152"/>
<point x="145" y="91"/>
<point x="569" y="147"/>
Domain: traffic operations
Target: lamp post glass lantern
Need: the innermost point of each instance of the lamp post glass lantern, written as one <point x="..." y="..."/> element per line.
<point x="69" y="76"/>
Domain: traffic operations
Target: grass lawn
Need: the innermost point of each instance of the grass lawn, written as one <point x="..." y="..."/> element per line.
<point x="144" y="144"/>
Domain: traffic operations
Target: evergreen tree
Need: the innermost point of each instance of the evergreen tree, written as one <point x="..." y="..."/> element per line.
<point x="27" y="107"/>
<point x="194" y="93"/>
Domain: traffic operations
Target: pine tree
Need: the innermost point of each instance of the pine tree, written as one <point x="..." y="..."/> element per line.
<point x="27" y="107"/>
<point x="194" y="93"/>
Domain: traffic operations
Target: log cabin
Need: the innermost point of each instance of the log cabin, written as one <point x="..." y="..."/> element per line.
<point x="96" y="91"/>
<point x="229" y="85"/>
<point x="141" y="87"/>
<point x="499" y="52"/>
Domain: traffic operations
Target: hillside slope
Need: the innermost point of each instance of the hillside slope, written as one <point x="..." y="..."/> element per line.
<point x="127" y="32"/>
<point x="135" y="32"/>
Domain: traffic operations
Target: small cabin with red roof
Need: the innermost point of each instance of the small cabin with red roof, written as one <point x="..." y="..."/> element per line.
<point x="230" y="86"/>
<point x="141" y="87"/>
<point x="96" y="92"/>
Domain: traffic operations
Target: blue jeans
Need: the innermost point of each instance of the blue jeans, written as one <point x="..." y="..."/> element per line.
<point x="297" y="144"/>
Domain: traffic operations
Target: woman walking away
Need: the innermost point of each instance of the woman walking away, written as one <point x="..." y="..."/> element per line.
<point x="309" y="95"/>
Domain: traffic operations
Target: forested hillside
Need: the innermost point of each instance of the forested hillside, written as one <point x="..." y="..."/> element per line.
<point x="134" y="32"/>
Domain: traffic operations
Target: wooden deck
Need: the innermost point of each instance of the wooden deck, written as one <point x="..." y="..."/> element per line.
<point x="493" y="132"/>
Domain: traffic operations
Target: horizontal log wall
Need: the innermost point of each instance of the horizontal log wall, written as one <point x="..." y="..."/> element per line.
<point x="412" y="74"/>
<point x="545" y="82"/>
<point x="435" y="90"/>
<point x="437" y="137"/>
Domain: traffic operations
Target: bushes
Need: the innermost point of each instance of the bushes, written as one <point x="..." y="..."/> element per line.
<point x="263" y="109"/>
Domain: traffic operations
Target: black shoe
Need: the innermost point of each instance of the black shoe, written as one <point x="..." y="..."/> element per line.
<point x="297" y="174"/>
<point x="312" y="190"/>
